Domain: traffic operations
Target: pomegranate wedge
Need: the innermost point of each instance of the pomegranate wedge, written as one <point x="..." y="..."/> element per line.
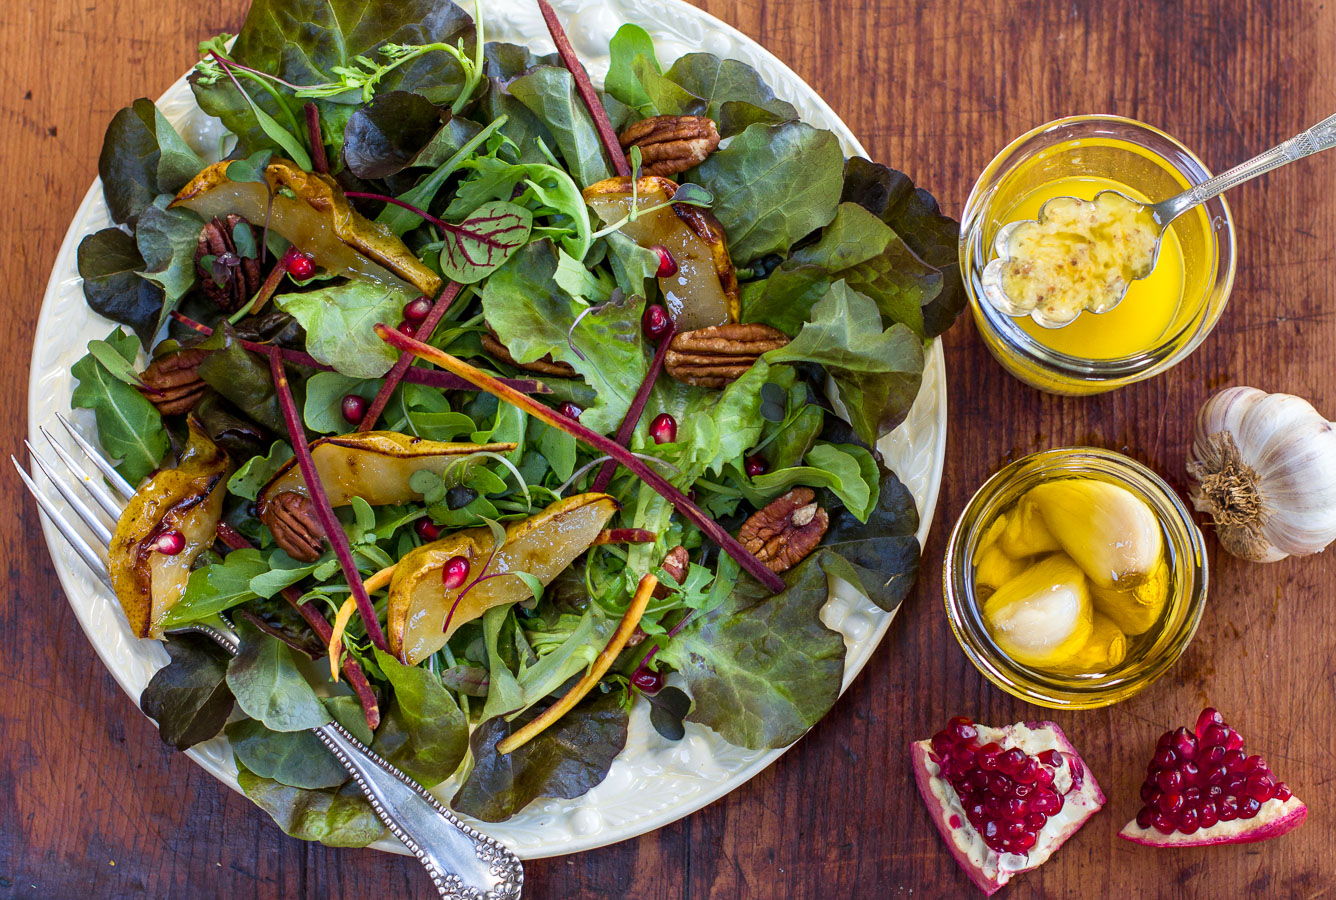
<point x="1202" y="789"/>
<point x="1004" y="799"/>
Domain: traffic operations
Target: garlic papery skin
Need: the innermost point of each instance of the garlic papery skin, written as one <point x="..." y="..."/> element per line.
<point x="1265" y="471"/>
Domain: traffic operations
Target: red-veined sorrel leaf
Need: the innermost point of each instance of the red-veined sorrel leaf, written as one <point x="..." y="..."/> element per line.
<point x="479" y="245"/>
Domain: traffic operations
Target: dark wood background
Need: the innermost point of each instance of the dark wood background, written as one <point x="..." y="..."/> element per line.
<point x="95" y="806"/>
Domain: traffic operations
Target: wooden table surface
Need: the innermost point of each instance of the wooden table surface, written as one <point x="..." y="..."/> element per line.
<point x="97" y="807"/>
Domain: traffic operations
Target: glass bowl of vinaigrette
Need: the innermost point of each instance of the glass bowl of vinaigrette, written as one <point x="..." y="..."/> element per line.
<point x="1164" y="316"/>
<point x="1075" y="578"/>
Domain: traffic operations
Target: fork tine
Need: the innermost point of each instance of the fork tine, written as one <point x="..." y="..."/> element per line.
<point x="84" y="512"/>
<point x="67" y="531"/>
<point x="90" y="484"/>
<point x="119" y="484"/>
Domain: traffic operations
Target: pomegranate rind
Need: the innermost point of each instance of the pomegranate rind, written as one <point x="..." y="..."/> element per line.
<point x="988" y="869"/>
<point x="1272" y="820"/>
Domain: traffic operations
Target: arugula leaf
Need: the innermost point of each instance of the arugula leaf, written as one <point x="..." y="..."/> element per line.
<point x="269" y="687"/>
<point x="256" y="471"/>
<point x="762" y="669"/>
<point x="341" y="818"/>
<point x="773" y="185"/>
<point x="216" y="588"/>
<point x="109" y="263"/>
<point x="423" y="732"/>
<point x="167" y="240"/>
<point x="565" y="761"/>
<point x="129" y="427"/>
<point x="484" y="241"/>
<point x="340" y="324"/>
<point x="294" y="758"/>
<point x="386" y="136"/>
<point x="881" y="557"/>
<point x="188" y="697"/>
<point x="532" y="317"/>
<point x="734" y="94"/>
<point x="116" y="365"/>
<point x="549" y="93"/>
<point x="877" y="373"/>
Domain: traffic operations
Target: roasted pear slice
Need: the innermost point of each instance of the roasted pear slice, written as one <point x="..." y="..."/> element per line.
<point x="542" y="545"/>
<point x="167" y="523"/>
<point x="373" y="465"/>
<point x="311" y="211"/>
<point x="704" y="289"/>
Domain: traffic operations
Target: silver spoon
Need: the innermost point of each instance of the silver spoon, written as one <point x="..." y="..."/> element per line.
<point x="1321" y="136"/>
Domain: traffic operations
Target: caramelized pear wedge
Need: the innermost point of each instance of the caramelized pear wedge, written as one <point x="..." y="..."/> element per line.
<point x="542" y="545"/>
<point x="704" y="289"/>
<point x="373" y="465"/>
<point x="175" y="510"/>
<point x="311" y="211"/>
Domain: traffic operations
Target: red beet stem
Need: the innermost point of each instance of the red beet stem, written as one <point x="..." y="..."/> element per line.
<point x="405" y="360"/>
<point x="351" y="669"/>
<point x="320" y="500"/>
<point x="628" y="426"/>
<point x="426" y="377"/>
<point x="585" y="88"/>
<point x="548" y="416"/>
<point x="318" y="157"/>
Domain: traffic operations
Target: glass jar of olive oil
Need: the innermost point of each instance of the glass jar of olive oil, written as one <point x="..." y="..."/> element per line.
<point x="1074" y="578"/>
<point x="1164" y="316"/>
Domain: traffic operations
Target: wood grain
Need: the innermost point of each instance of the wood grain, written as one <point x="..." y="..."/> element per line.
<point x="99" y="808"/>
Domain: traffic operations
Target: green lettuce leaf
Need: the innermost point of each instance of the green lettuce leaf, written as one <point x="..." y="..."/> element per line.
<point x="129" y="427"/>
<point x="621" y="82"/>
<point x="167" y="240"/>
<point x="773" y="185"/>
<point x="847" y="470"/>
<point x="733" y="93"/>
<point x="109" y="263"/>
<point x="340" y="323"/>
<point x="293" y="758"/>
<point x="879" y="557"/>
<point x="549" y="93"/>
<point x="386" y="136"/>
<point x="268" y="686"/>
<point x="217" y="588"/>
<point x="877" y="373"/>
<point x="242" y="377"/>
<point x="423" y="732"/>
<point x="189" y="697"/>
<point x="341" y="818"/>
<point x="142" y="157"/>
<point x="564" y="762"/>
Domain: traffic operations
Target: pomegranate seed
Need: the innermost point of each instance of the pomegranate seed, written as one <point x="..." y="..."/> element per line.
<point x="754" y="466"/>
<point x="408" y="328"/>
<point x="1215" y="791"/>
<point x="1254" y="764"/>
<point x="1013" y="830"/>
<point x="975" y="812"/>
<point x="1260" y="786"/>
<point x="1145" y="817"/>
<point x="1021" y="790"/>
<point x="1208" y="718"/>
<point x="455" y="572"/>
<point x="1235" y="784"/>
<point x="655" y="322"/>
<point x="1213" y="755"/>
<point x="427" y="529"/>
<point x="941" y="743"/>
<point x="1190" y="772"/>
<point x="1234" y="761"/>
<point x="418" y="310"/>
<point x="1192" y="795"/>
<point x="667" y="264"/>
<point x="1229" y="809"/>
<point x="1207" y="814"/>
<point x="1185" y="744"/>
<point x="1165" y="758"/>
<point x="664" y="430"/>
<point x="570" y="410"/>
<point x="1235" y="741"/>
<point x="987" y="756"/>
<point x="170" y="543"/>
<point x="999" y="785"/>
<point x="1283" y="792"/>
<point x="1215" y="776"/>
<point x="1035" y="821"/>
<point x="1044" y="777"/>
<point x="1169" y="803"/>
<point x="1149" y="792"/>
<point x="979" y="779"/>
<point x="1030" y="773"/>
<point x="1249" y="807"/>
<point x="962" y="758"/>
<point x="1015" y="808"/>
<point x="1046" y="801"/>
<point x="353" y="408"/>
<point x="1024" y="842"/>
<point x="1012" y="761"/>
<point x="1051" y="758"/>
<point x="991" y="831"/>
<point x="1169" y="780"/>
<point x="299" y="265"/>
<point x="1187" y="821"/>
<point x="1215" y="735"/>
<point x="1165" y="740"/>
<point x="1163" y="823"/>
<point x="650" y="682"/>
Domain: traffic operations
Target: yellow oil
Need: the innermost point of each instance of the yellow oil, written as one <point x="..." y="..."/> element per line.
<point x="1146" y="313"/>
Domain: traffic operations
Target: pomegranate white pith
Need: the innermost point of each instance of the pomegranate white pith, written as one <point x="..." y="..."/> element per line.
<point x="1202" y="789"/>
<point x="1000" y="834"/>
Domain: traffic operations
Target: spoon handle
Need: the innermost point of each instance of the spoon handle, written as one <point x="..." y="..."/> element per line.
<point x="1321" y="136"/>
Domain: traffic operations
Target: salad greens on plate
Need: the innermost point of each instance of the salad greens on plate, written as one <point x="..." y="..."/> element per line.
<point x="481" y="425"/>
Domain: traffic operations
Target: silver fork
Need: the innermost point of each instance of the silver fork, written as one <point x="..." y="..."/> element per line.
<point x="463" y="863"/>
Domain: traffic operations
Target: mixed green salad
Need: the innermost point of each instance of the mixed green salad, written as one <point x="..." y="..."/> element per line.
<point x="482" y="425"/>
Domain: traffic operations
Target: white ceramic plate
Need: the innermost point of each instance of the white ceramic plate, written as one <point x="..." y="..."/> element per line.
<point x="654" y="781"/>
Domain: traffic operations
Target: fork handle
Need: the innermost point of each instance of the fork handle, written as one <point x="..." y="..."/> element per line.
<point x="463" y="863"/>
<point x="1321" y="136"/>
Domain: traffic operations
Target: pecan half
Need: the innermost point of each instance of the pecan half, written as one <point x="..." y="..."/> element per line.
<point x="291" y="517"/>
<point x="671" y="144"/>
<point x="784" y="532"/>
<point x="719" y="355"/>
<point x="543" y="366"/>
<point x="230" y="280"/>
<point x="172" y="382"/>
<point x="675" y="564"/>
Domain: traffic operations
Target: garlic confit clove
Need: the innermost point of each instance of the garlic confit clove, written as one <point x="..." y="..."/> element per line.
<point x="1043" y="617"/>
<point x="1105" y="650"/>
<point x="1134" y="611"/>
<point x="1109" y="532"/>
<point x="1265" y="471"/>
<point x="1026" y="534"/>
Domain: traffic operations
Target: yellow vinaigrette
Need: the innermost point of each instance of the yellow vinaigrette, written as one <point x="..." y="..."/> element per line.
<point x="1073" y="570"/>
<point x="1150" y="306"/>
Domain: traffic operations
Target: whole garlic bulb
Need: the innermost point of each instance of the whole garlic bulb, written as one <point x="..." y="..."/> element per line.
<point x="1265" y="470"/>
